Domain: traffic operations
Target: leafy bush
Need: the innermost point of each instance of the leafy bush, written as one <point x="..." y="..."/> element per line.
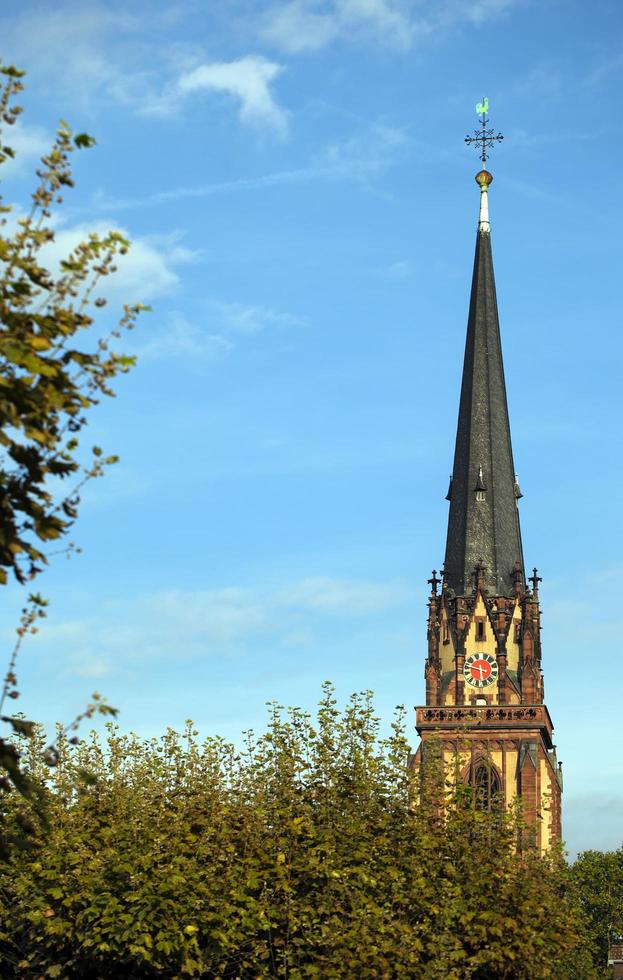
<point x="304" y="855"/>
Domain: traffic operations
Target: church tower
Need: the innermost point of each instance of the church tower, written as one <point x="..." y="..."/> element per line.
<point x="484" y="684"/>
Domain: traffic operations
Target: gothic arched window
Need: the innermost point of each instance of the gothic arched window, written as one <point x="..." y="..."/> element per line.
<point x="486" y="783"/>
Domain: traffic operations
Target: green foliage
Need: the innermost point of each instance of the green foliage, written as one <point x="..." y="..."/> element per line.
<point x="304" y="855"/>
<point x="598" y="877"/>
<point x="49" y="380"/>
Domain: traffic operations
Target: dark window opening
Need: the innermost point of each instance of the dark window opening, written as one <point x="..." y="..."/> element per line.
<point x="487" y="787"/>
<point x="517" y="632"/>
<point x="480" y="629"/>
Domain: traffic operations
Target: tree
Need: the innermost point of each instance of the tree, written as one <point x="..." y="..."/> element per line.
<point x="301" y="856"/>
<point x="49" y="381"/>
<point x="598" y="876"/>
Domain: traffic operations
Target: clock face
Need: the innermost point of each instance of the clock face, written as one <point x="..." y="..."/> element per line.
<point x="480" y="669"/>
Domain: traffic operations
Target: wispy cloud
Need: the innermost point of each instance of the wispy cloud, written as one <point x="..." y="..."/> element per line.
<point x="79" y="46"/>
<point x="603" y="70"/>
<point x="343" y="597"/>
<point x="239" y="318"/>
<point x="307" y="25"/>
<point x="363" y="154"/>
<point x="524" y="139"/>
<point x="29" y="143"/>
<point x="479" y="11"/>
<point x="297" y="26"/>
<point x="179" y="337"/>
<point x="215" y="622"/>
<point x="222" y="326"/>
<point x="360" y="157"/>
<point x="543" y="81"/>
<point x="399" y="271"/>
<point x="556" y="79"/>
<point x="236" y="185"/>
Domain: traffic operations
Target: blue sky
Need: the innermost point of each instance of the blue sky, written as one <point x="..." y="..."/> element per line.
<point x="303" y="210"/>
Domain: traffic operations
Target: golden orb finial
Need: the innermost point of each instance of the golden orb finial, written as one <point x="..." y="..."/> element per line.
<point x="483" y="178"/>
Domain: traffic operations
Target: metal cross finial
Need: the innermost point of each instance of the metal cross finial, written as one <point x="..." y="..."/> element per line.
<point x="535" y="579"/>
<point x="484" y="138"/>
<point x="434" y="582"/>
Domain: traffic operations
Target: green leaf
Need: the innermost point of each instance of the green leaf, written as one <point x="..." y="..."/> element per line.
<point x="84" y="141"/>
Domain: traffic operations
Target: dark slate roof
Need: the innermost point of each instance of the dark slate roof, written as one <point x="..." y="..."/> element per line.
<point x="485" y="529"/>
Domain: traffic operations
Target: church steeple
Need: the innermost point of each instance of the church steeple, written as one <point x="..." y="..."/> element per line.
<point x="483" y="524"/>
<point x="484" y="684"/>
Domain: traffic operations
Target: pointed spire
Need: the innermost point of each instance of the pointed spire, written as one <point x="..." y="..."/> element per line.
<point x="483" y="522"/>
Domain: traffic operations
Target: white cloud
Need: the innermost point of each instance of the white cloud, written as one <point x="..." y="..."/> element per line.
<point x="295" y="27"/>
<point x="237" y="318"/>
<point x="343" y="597"/>
<point x="99" y="52"/>
<point x="224" y="324"/>
<point x="218" y="622"/>
<point x="29" y="144"/>
<point x="147" y="271"/>
<point x="365" y="154"/>
<point x="219" y="615"/>
<point x="399" y="271"/>
<point x="390" y="19"/>
<point x="77" y="45"/>
<point x="246" y="80"/>
<point x="89" y="666"/>
<point x="480" y="11"/>
<point x="308" y="25"/>
<point x="181" y="338"/>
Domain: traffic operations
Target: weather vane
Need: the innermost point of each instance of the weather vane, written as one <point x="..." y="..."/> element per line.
<point x="484" y="138"/>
